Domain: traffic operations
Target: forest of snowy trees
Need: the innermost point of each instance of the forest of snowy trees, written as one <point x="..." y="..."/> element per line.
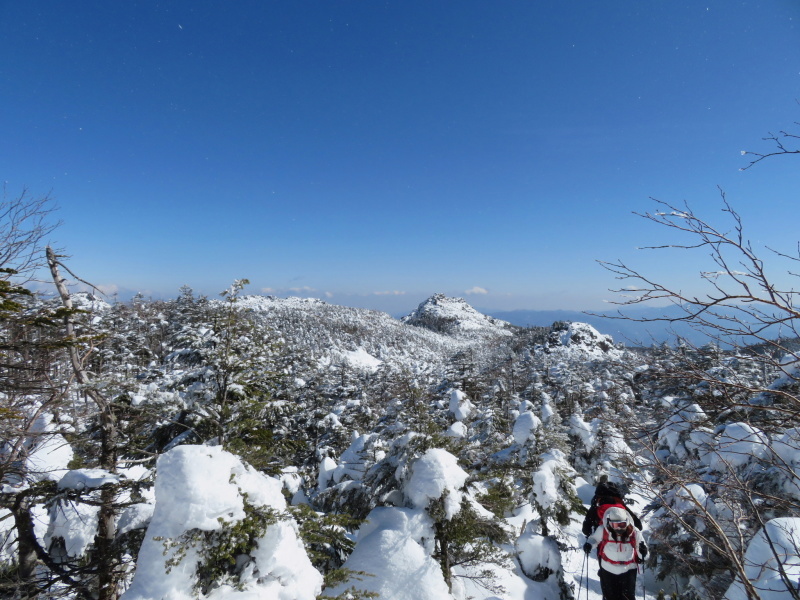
<point x="248" y="446"/>
<point x="245" y="446"/>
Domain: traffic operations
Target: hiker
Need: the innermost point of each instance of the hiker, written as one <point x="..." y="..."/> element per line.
<point x="606" y="494"/>
<point x="620" y="550"/>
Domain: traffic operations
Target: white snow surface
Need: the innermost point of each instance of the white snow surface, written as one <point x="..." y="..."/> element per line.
<point x="460" y="405"/>
<point x="433" y="474"/>
<point x="82" y="479"/>
<point x="393" y="547"/>
<point x="361" y="359"/>
<point x="737" y="445"/>
<point x="525" y="426"/>
<point x="49" y="458"/>
<point x="201" y="487"/>
<point x="761" y="563"/>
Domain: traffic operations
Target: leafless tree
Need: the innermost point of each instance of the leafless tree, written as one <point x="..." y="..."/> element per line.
<point x="752" y="316"/>
<point x="26" y="221"/>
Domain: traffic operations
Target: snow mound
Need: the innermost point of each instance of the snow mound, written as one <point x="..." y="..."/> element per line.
<point x="205" y="488"/>
<point x="433" y="474"/>
<point x="773" y="547"/>
<point x="362" y="360"/>
<point x="392" y="550"/>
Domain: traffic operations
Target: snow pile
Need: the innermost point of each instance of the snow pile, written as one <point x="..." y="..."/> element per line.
<point x="546" y="479"/>
<point x="83" y="479"/>
<point x="394" y="548"/>
<point x="205" y="488"/>
<point x="434" y="475"/>
<point x="460" y="405"/>
<point x="737" y="445"/>
<point x="525" y="426"/>
<point x="72" y="527"/>
<point x="773" y="549"/>
<point x="539" y="556"/>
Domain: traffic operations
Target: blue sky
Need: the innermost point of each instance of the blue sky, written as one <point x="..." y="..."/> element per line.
<point x="373" y="153"/>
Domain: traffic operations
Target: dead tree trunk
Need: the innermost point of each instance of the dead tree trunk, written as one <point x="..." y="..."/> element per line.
<point x="107" y="560"/>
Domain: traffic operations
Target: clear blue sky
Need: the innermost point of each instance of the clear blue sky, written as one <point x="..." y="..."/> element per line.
<point x="373" y="153"/>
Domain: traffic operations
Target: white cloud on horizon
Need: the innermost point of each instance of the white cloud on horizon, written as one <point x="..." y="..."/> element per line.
<point x="477" y="290"/>
<point x="300" y="291"/>
<point x="390" y="293"/>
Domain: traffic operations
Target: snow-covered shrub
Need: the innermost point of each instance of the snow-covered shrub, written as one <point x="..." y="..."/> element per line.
<point x="219" y="529"/>
<point x="772" y="562"/>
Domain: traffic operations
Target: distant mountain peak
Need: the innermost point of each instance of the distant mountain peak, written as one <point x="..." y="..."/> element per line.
<point x="449" y="315"/>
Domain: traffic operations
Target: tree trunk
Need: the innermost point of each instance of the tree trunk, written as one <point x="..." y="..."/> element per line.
<point x="26" y="547"/>
<point x="107" y="561"/>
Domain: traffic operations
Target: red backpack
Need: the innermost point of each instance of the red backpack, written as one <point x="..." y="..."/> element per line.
<point x="602" y="508"/>
<point x="607" y="539"/>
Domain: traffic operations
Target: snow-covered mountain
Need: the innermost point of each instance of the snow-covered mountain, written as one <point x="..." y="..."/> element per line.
<point x="455" y="316"/>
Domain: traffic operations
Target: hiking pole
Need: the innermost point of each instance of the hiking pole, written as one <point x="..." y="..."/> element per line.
<point x="586" y="562"/>
<point x="644" y="593"/>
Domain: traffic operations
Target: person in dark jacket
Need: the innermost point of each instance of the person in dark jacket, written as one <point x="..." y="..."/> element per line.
<point x="606" y="494"/>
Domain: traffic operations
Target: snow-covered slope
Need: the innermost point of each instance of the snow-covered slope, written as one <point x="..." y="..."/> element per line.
<point x="364" y="339"/>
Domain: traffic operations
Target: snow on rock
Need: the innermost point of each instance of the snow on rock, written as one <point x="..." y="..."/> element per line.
<point x="525" y="426"/>
<point x="433" y="474"/>
<point x="762" y="562"/>
<point x="453" y="316"/>
<point x="584" y="339"/>
<point x="393" y="548"/>
<point x="204" y="488"/>
<point x="460" y="405"/>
